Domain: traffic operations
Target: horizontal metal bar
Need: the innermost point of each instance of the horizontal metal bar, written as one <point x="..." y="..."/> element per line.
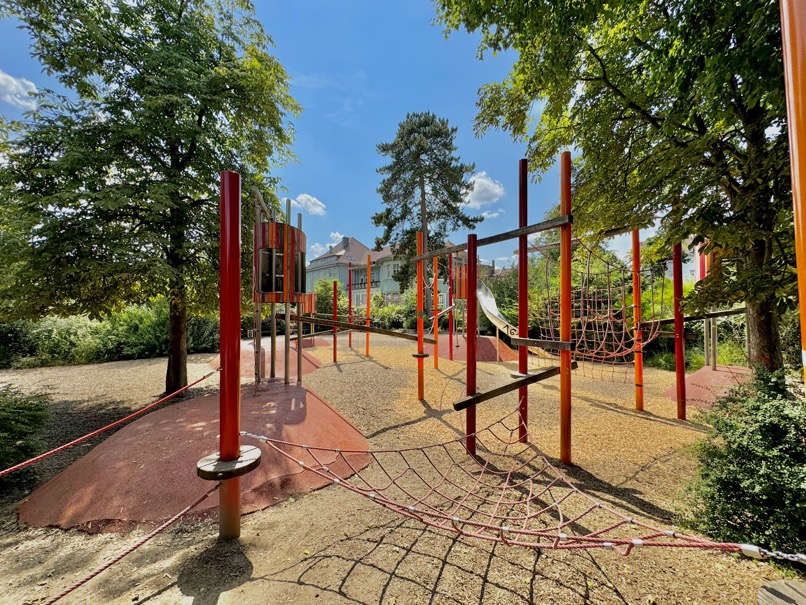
<point x="565" y="219"/>
<point x="713" y="315"/>
<point x="322" y="333"/>
<point x="357" y="327"/>
<point x="546" y="344"/>
<point x="506" y="388"/>
<point x="687" y="335"/>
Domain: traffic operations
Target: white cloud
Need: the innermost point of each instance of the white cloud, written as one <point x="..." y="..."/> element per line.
<point x="494" y="214"/>
<point x="317" y="250"/>
<point x="486" y="191"/>
<point x="309" y="204"/>
<point x="14" y="91"/>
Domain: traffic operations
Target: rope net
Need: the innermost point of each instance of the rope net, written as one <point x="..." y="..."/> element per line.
<point x="508" y="493"/>
<point x="602" y="311"/>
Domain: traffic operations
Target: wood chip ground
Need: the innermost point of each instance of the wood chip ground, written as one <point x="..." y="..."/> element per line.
<point x="333" y="546"/>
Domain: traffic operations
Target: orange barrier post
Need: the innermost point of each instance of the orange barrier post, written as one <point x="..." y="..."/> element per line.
<point x="436" y="314"/>
<point x="793" y="31"/>
<point x="679" y="343"/>
<point x="450" y="307"/>
<point x="420" y="335"/>
<point x="565" y="310"/>
<point x="350" y="302"/>
<point x="472" y="277"/>
<point x="523" y="299"/>
<point x="636" y="318"/>
<point x="369" y="298"/>
<point x="335" y="316"/>
<point x="229" y="512"/>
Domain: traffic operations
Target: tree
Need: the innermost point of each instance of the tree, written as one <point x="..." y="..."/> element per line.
<point x="678" y="110"/>
<point x="424" y="189"/>
<point x="116" y="187"/>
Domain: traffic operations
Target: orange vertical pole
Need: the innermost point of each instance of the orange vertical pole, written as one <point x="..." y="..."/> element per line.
<point x="793" y="31"/>
<point x="450" y="307"/>
<point x="565" y="310"/>
<point x="369" y="299"/>
<point x="523" y="299"/>
<point x="350" y="303"/>
<point x="636" y="299"/>
<point x="229" y="524"/>
<point x="436" y="313"/>
<point x="420" y="335"/>
<point x="335" y="316"/>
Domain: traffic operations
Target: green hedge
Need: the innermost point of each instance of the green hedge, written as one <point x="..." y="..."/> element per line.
<point x="136" y="332"/>
<point x="751" y="486"/>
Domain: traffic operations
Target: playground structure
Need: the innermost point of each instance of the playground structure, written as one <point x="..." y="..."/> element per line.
<point x="515" y="496"/>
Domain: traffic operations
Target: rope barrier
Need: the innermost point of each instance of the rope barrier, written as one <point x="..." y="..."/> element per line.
<point x="134" y="547"/>
<point x="147" y="408"/>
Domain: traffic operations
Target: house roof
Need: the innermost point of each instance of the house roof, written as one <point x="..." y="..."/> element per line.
<point x="348" y="250"/>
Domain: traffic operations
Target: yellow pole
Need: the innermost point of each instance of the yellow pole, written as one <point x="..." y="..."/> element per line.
<point x="793" y="31"/>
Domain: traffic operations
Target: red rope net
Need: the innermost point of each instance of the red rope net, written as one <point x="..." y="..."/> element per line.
<point x="508" y="493"/>
<point x="602" y="312"/>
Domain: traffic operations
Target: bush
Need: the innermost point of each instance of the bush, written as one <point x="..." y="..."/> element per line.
<point x="137" y="332"/>
<point x="389" y="317"/>
<point x="22" y="418"/>
<point x="15" y="342"/>
<point x="202" y="334"/>
<point x="751" y="485"/>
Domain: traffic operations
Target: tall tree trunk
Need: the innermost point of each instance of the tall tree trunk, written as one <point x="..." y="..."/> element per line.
<point x="176" y="375"/>
<point x="763" y="337"/>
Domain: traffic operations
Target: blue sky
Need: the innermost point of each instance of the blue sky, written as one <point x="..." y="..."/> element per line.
<point x="357" y="68"/>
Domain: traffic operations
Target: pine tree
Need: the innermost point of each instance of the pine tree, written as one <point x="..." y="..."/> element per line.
<point x="424" y="189"/>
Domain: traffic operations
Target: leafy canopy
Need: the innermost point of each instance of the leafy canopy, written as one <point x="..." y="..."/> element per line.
<point x="114" y="188"/>
<point x="678" y="111"/>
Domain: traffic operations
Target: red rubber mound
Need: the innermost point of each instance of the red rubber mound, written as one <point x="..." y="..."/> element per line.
<point x="146" y="472"/>
<point x="705" y="385"/>
<point x="485" y="349"/>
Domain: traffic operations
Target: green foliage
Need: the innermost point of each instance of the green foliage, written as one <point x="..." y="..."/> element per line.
<point x="111" y="194"/>
<point x="678" y="112"/>
<point x="751" y="486"/>
<point x="790" y="340"/>
<point x="22" y="418"/>
<point x="135" y="332"/>
<point x="423" y="190"/>
<point x="323" y="289"/>
<point x="389" y="317"/>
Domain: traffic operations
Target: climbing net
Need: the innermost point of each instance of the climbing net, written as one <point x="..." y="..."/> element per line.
<point x="508" y="493"/>
<point x="602" y="311"/>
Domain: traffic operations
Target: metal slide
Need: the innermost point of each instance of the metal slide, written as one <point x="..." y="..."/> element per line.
<point x="487" y="303"/>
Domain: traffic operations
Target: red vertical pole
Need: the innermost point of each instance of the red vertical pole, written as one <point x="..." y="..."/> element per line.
<point x="565" y="309"/>
<point x="450" y="307"/>
<point x="369" y="299"/>
<point x="472" y="276"/>
<point x="523" y="299"/>
<point x="638" y="354"/>
<point x="679" y="343"/>
<point x="350" y="302"/>
<point x="793" y="31"/>
<point x="420" y="336"/>
<point x="335" y="316"/>
<point x="436" y="313"/>
<point x="229" y="290"/>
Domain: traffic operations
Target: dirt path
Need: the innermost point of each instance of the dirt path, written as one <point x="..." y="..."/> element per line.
<point x="333" y="546"/>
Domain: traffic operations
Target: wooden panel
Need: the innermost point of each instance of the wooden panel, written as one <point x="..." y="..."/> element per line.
<point x="784" y="592"/>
